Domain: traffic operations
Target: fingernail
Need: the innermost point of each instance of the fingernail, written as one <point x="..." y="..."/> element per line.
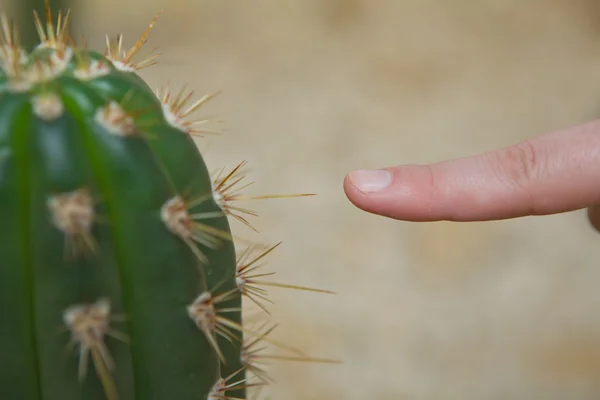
<point x="370" y="181"/>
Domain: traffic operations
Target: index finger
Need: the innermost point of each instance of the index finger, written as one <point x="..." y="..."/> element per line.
<point x="553" y="173"/>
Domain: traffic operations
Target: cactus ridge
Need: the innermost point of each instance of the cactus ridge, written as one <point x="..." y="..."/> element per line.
<point x="116" y="254"/>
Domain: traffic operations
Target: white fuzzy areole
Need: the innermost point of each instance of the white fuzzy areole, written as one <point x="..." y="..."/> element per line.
<point x="218" y="390"/>
<point x="19" y="85"/>
<point x="202" y="312"/>
<point x="176" y="217"/>
<point x="88" y="323"/>
<point x="47" y="106"/>
<point x="7" y="59"/>
<point x="218" y="197"/>
<point x="94" y="69"/>
<point x="40" y="72"/>
<point x="124" y="67"/>
<point x="47" y="70"/>
<point x="60" y="59"/>
<point x="240" y="282"/>
<point x="72" y="212"/>
<point x="173" y="119"/>
<point x="115" y="120"/>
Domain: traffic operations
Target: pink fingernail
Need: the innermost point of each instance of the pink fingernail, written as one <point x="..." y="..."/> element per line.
<point x="370" y="181"/>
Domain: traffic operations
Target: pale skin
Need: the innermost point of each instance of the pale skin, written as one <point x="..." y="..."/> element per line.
<point x="553" y="173"/>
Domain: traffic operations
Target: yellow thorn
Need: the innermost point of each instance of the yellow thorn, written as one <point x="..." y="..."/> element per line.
<point x="227" y="190"/>
<point x="141" y="41"/>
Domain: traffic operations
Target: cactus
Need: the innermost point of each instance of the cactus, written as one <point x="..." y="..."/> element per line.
<point x="119" y="276"/>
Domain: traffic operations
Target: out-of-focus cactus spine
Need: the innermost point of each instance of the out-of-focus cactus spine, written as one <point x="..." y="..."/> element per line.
<point x="27" y="28"/>
<point x="114" y="240"/>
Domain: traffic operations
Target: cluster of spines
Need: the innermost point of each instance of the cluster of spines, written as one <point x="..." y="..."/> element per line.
<point x="74" y="212"/>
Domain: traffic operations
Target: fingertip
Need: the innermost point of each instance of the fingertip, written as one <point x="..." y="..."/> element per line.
<point x="372" y="191"/>
<point x="356" y="197"/>
<point x="401" y="193"/>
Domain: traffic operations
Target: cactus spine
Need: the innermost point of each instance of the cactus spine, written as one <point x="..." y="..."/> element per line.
<point x="27" y="28"/>
<point x="118" y="272"/>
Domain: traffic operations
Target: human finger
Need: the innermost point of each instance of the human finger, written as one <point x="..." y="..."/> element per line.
<point x="552" y="173"/>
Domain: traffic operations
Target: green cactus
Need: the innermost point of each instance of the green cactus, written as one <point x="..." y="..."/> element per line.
<point x="116" y="255"/>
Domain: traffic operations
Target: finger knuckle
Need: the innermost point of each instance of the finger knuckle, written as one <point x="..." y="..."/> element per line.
<point x="432" y="183"/>
<point x="520" y="164"/>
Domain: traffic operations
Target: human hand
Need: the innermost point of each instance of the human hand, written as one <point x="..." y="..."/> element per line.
<point x="553" y="173"/>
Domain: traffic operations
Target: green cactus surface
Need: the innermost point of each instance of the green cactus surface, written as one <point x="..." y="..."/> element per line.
<point x="119" y="278"/>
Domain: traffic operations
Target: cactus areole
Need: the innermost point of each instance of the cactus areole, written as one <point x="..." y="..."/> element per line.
<point x="118" y="273"/>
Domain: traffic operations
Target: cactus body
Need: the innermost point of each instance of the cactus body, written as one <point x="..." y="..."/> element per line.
<point x="118" y="273"/>
<point x="114" y="255"/>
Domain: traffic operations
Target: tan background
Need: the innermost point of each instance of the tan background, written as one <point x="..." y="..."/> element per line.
<point x="315" y="88"/>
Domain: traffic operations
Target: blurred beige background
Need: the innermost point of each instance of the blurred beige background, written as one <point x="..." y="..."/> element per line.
<point x="315" y="88"/>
